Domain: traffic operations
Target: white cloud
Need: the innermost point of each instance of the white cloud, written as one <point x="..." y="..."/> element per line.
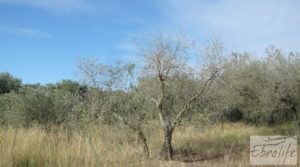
<point x="55" y="6"/>
<point x="25" y="31"/>
<point x="245" y="25"/>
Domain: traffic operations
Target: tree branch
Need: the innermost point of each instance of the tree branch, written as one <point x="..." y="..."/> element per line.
<point x="206" y="86"/>
<point x="158" y="104"/>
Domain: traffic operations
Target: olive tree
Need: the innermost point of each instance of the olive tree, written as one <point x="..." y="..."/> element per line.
<point x="264" y="89"/>
<point x="115" y="96"/>
<point x="284" y="79"/>
<point x="167" y="80"/>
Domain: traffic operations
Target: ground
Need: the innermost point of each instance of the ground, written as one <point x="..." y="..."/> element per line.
<point x="217" y="145"/>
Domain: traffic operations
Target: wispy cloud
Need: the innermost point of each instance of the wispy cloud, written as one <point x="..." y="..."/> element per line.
<point x="127" y="47"/>
<point x="55" y="6"/>
<point x="247" y="24"/>
<point x="25" y="31"/>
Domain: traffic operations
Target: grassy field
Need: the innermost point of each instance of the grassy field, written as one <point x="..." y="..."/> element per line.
<point x="219" y="145"/>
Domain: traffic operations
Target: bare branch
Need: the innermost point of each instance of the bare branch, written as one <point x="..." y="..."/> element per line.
<point x="200" y="93"/>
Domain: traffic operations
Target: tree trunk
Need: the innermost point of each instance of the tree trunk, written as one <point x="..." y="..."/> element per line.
<point x="143" y="139"/>
<point x="167" y="150"/>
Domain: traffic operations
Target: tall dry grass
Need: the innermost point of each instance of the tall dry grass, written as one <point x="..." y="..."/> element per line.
<point x="220" y="145"/>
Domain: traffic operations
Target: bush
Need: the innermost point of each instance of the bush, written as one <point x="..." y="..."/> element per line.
<point x="40" y="106"/>
<point x="8" y="102"/>
<point x="8" y="83"/>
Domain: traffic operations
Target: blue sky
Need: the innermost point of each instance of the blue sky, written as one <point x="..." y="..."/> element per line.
<point x="41" y="40"/>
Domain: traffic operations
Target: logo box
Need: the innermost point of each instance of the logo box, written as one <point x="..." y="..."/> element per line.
<point x="273" y="150"/>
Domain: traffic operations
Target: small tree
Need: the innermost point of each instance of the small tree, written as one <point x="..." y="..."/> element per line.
<point x="113" y="95"/>
<point x="167" y="81"/>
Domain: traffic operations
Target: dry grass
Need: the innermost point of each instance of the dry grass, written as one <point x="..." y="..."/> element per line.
<point x="221" y="145"/>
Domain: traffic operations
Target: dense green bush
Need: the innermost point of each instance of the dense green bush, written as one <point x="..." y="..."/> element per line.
<point x="8" y="83"/>
<point x="40" y="106"/>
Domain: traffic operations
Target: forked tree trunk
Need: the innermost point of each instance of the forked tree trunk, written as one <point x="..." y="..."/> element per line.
<point x="167" y="149"/>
